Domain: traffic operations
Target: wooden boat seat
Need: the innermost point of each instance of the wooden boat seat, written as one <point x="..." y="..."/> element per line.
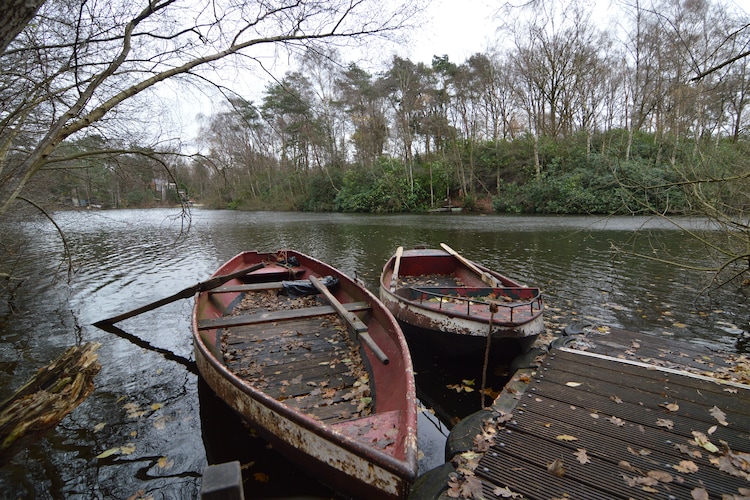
<point x="285" y="314"/>
<point x="251" y="287"/>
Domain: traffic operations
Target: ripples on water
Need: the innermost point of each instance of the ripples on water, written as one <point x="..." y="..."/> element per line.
<point x="124" y="259"/>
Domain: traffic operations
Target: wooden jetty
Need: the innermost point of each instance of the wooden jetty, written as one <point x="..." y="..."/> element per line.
<point x="608" y="414"/>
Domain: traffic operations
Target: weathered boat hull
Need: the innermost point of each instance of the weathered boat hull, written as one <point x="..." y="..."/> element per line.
<point x="337" y="454"/>
<point x="459" y="311"/>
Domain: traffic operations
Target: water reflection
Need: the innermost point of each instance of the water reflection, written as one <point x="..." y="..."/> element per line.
<point x="123" y="259"/>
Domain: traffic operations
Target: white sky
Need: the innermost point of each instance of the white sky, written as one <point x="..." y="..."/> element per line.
<point x="458" y="28"/>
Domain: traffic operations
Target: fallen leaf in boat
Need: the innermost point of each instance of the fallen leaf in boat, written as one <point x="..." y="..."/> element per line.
<point x="556" y="468"/>
<point x="663" y="422"/>
<point x="573" y="384"/>
<point x="594" y="415"/>
<point x="712" y="429"/>
<point x="686" y="467"/>
<point x="616" y="399"/>
<point x="566" y="437"/>
<point x="468" y="382"/>
<point x="699" y="494"/>
<point x="581" y="455"/>
<point x="730" y="390"/>
<point x="719" y="415"/>
<point x="705" y="443"/>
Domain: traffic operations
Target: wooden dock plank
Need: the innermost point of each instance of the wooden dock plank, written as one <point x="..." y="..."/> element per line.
<point x="645" y="448"/>
<point x="599" y="371"/>
<point x="622" y="430"/>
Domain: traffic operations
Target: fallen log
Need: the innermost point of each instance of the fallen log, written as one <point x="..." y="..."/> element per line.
<point x="42" y="402"/>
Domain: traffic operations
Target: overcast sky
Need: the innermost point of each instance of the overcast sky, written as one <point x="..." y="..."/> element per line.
<point x="456" y="28"/>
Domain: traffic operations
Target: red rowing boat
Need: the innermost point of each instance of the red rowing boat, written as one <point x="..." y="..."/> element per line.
<point x="317" y="365"/>
<point x="440" y="291"/>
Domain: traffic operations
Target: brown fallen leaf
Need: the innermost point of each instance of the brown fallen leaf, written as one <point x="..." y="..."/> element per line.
<point x="566" y="437"/>
<point x="624" y="464"/>
<point x="699" y="494"/>
<point x="639" y="453"/>
<point x="661" y="476"/>
<point x="663" y="422"/>
<point x="617" y="421"/>
<point x="705" y="443"/>
<point x="581" y="455"/>
<point x="719" y="415"/>
<point x="670" y="406"/>
<point x="505" y="492"/>
<point x="261" y="477"/>
<point x="556" y="468"/>
<point x="686" y="467"/>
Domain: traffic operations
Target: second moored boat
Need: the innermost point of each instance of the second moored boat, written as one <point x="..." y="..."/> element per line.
<point x="440" y="291"/>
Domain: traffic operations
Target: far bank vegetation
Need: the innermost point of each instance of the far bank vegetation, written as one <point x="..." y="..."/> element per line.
<point x="571" y="116"/>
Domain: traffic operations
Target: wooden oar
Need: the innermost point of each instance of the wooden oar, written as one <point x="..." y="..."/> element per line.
<point x="183" y="294"/>
<point x="352" y="319"/>
<point x="486" y="277"/>
<point x="396" y="266"/>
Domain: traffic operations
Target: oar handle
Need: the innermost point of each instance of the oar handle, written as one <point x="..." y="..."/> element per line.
<point x="352" y="320"/>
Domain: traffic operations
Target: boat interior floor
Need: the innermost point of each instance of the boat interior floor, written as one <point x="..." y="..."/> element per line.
<point x="300" y="354"/>
<point x="431" y="280"/>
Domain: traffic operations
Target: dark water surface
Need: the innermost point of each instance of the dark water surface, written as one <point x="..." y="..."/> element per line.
<point x="148" y="401"/>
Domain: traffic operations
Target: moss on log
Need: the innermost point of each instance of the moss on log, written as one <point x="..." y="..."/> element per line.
<point x="42" y="402"/>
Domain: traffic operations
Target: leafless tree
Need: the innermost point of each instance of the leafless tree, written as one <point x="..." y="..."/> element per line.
<point x="81" y="62"/>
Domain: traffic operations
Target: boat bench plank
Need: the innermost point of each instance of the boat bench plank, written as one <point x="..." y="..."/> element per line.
<point x="249" y="287"/>
<point x="283" y="315"/>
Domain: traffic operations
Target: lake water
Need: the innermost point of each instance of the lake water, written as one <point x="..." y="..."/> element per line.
<point x="148" y="399"/>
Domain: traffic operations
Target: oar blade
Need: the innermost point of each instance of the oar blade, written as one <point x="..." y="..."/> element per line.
<point x="186" y="293"/>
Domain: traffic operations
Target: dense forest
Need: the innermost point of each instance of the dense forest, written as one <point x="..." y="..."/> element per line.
<point x="568" y="115"/>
